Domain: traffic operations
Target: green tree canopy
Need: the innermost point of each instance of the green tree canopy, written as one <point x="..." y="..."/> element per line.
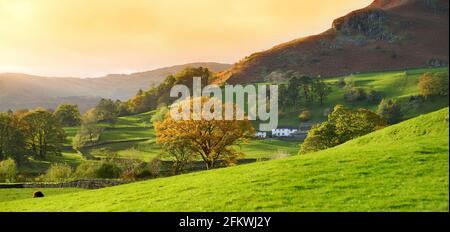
<point x="343" y="124"/>
<point x="12" y="138"/>
<point x="43" y="133"/>
<point x="321" y="90"/>
<point x="107" y="110"/>
<point x="68" y="115"/>
<point x="390" y="110"/>
<point x="89" y="132"/>
<point x="160" y="95"/>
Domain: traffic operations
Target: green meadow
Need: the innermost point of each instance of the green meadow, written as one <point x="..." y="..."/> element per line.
<point x="399" y="85"/>
<point x="12" y="194"/>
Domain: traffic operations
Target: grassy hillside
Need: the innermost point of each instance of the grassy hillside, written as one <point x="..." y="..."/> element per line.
<point x="19" y="193"/>
<point x="400" y="168"/>
<point x="399" y="85"/>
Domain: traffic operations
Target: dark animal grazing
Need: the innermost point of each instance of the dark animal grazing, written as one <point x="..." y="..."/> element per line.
<point x="38" y="194"/>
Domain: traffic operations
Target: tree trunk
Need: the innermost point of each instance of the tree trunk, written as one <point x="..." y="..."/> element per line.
<point x="209" y="164"/>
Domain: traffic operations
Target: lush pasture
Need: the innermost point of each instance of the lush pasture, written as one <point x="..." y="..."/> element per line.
<point x="70" y="134"/>
<point x="399" y="168"/>
<point x="398" y="85"/>
<point x="27" y="193"/>
<point x="36" y="167"/>
<point x="270" y="148"/>
<point x="144" y="150"/>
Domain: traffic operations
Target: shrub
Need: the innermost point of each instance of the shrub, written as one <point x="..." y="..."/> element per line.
<point x="159" y="115"/>
<point x="132" y="169"/>
<point x="374" y="96"/>
<point x="349" y="82"/>
<point x="128" y="175"/>
<point x="341" y="82"/>
<point x="390" y="110"/>
<point x="58" y="172"/>
<point x="343" y="124"/>
<point x="321" y="136"/>
<point x="434" y="84"/>
<point x="87" y="169"/>
<point x="154" y="167"/>
<point x="355" y="94"/>
<point x="108" y="170"/>
<point x="179" y="153"/>
<point x="8" y="171"/>
<point x="305" y="116"/>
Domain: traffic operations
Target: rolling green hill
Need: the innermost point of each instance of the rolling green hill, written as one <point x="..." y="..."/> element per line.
<point x="399" y="85"/>
<point x="399" y="168"/>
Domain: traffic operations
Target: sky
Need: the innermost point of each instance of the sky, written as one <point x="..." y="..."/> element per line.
<point x="91" y="38"/>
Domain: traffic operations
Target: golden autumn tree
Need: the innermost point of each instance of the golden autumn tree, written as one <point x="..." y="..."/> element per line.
<point x="434" y="84"/>
<point x="211" y="140"/>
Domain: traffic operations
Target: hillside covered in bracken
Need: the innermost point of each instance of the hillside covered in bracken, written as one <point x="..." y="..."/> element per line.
<point x="386" y="35"/>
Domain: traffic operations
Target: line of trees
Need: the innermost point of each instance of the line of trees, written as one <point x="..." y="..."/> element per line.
<point x="37" y="133"/>
<point x="157" y="96"/>
<point x="303" y="89"/>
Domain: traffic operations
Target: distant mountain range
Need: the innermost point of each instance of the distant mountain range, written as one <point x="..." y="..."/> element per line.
<point x="387" y="35"/>
<point x="19" y="91"/>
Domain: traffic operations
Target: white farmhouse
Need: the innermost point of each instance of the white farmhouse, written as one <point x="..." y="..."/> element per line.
<point x="261" y="135"/>
<point x="283" y="132"/>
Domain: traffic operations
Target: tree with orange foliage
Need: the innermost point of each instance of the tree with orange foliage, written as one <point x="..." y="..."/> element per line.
<point x="434" y="84"/>
<point x="211" y="140"/>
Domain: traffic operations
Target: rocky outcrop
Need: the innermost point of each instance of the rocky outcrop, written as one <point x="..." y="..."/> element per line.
<point x="368" y="22"/>
<point x="434" y="62"/>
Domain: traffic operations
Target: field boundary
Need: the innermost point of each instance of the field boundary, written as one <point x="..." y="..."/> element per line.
<point x="85" y="184"/>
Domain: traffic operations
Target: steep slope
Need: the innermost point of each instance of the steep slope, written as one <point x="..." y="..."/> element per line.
<point x="27" y="91"/>
<point x="400" y="168"/>
<point x="387" y="35"/>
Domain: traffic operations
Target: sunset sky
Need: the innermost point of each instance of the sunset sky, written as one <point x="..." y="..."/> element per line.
<point x="89" y="38"/>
